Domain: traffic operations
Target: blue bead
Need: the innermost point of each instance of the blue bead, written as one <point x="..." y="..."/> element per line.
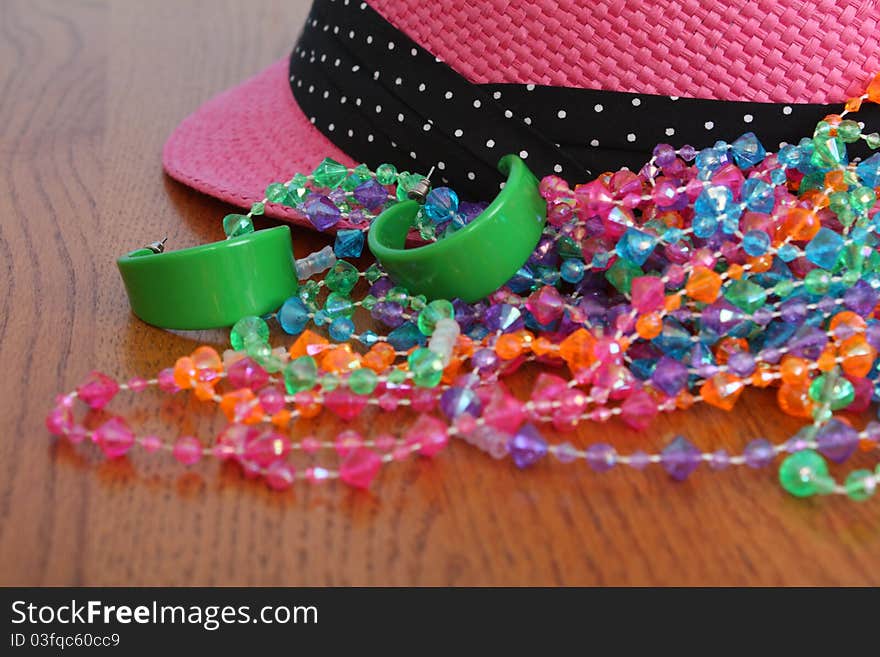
<point x="704" y="225"/>
<point x="789" y="155"/>
<point x="368" y="338"/>
<point x="636" y="246"/>
<point x="341" y="329"/>
<point x="748" y="151"/>
<point x="824" y="249"/>
<point x="710" y="159"/>
<point x="572" y="271"/>
<point x="756" y="242"/>
<point x="673" y="235"/>
<point x="869" y="171"/>
<point x="713" y="201"/>
<point x="441" y="205"/>
<point x="406" y="336"/>
<point x="522" y="281"/>
<point x="758" y="195"/>
<point x="349" y="243"/>
<point x="293" y="316"/>
<point x="788" y="252"/>
<point x="778" y="176"/>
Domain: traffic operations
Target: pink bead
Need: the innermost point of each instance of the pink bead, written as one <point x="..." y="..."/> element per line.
<point x="65" y="401"/>
<point x="317" y="475"/>
<point x="187" y="450"/>
<point x="465" y="424"/>
<point x="114" y="437"/>
<point x="423" y="400"/>
<point x="97" y="390"/>
<point x="401" y="453"/>
<point x="385" y="442"/>
<point x="648" y="293"/>
<point x="348" y="441"/>
<point x="280" y="475"/>
<point x="77" y="434"/>
<point x="137" y="384"/>
<point x="546" y="304"/>
<point x="231" y="441"/>
<point x="166" y="381"/>
<point x="864" y="389"/>
<point x="429" y="433"/>
<point x="150" y="443"/>
<point x="676" y="274"/>
<point x="703" y="257"/>
<point x="600" y="414"/>
<point x="664" y="193"/>
<point x="345" y="404"/>
<point x="731" y="177"/>
<point x="608" y="350"/>
<point x="223" y="451"/>
<point x="265" y="448"/>
<point x="59" y="421"/>
<point x="360" y="467"/>
<point x="552" y="187"/>
<point x="504" y="413"/>
<point x="310" y="444"/>
<point x="246" y="373"/>
<point x="639" y="410"/>
<point x="271" y="400"/>
<point x="388" y="402"/>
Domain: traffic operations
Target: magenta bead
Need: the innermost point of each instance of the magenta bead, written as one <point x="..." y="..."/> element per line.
<point x="344" y="403"/>
<point x="97" y="390"/>
<point x="166" y="381"/>
<point x="360" y="467"/>
<point x="59" y="421"/>
<point x="187" y="450"/>
<point x="114" y="437"/>
<point x="150" y="443"/>
<point x="429" y="433"/>
<point x="246" y="373"/>
<point x="280" y="475"/>
<point x="137" y="384"/>
<point x="348" y="441"/>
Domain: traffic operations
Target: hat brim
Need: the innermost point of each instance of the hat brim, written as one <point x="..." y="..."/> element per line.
<point x="254" y="134"/>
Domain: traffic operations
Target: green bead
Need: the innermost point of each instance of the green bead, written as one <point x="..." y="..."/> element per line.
<point x="849" y="131"/>
<point x="426" y="367"/>
<point x="362" y="171"/>
<point x="330" y="381"/>
<point x="351" y="182"/>
<point x="300" y="374"/>
<point x="427" y="232"/>
<point x="258" y="208"/>
<point x="853" y="259"/>
<point x="433" y="313"/>
<point x="362" y="381"/>
<point x="405" y="182"/>
<point x="369" y="302"/>
<point x="338" y="305"/>
<point x="798" y="472"/>
<point x="838" y="393"/>
<point x="308" y="294"/>
<point x="622" y="273"/>
<point x="397" y="294"/>
<point x="745" y="295"/>
<point x="828" y="153"/>
<point x="342" y="277"/>
<point x="862" y="199"/>
<point x="873" y="140"/>
<point x="838" y="201"/>
<point x="817" y="281"/>
<point x="258" y="351"/>
<point x="860" y="485"/>
<point x="237" y="224"/>
<point x="386" y="174"/>
<point x="373" y="273"/>
<point x="822" y="130"/>
<point x="276" y="193"/>
<point x="568" y="248"/>
<point x="273" y="363"/>
<point x="329" y="173"/>
<point x="396" y="376"/>
<point x="783" y="288"/>
<point x="418" y="303"/>
<point x="297" y="190"/>
<point x="248" y="327"/>
<point x="850" y="278"/>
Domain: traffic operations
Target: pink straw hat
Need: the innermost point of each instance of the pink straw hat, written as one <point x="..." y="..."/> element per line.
<point x="768" y="54"/>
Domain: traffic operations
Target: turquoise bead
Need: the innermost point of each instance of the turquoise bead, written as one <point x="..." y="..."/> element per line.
<point x="293" y="316"/>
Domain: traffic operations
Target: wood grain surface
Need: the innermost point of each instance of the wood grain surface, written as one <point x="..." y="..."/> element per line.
<point x="89" y="91"/>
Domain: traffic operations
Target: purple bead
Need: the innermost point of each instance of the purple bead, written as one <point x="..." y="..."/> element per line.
<point x="594" y="226"/>
<point x="465" y="314"/>
<point x="565" y="452"/>
<point x="371" y="194"/>
<point x="322" y="212"/>
<point x="389" y="313"/>
<point x="741" y="363"/>
<point x="639" y="460"/>
<point x="826" y="304"/>
<point x="720" y="459"/>
<point x="664" y="155"/>
<point x="721" y="316"/>
<point x="707" y="370"/>
<point x="872" y="430"/>
<point x="527" y="447"/>
<point x="454" y="401"/>
<point x="793" y="311"/>
<point x="762" y="316"/>
<point x="680" y="458"/>
<point x="687" y="152"/>
<point x="860" y="298"/>
<point x="759" y="453"/>
<point x="601" y="457"/>
<point x="808" y="342"/>
<point x="837" y="441"/>
<point x="485" y="360"/>
<point x="670" y="376"/>
<point x="503" y="317"/>
<point x="771" y="355"/>
<point x="796" y="443"/>
<point x="872" y="334"/>
<point x="381" y="287"/>
<point x="545" y="253"/>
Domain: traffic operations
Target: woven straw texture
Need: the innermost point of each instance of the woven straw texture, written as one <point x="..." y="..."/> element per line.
<point x="760" y="50"/>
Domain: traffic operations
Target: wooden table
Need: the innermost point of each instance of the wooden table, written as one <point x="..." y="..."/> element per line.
<point x="89" y="91"/>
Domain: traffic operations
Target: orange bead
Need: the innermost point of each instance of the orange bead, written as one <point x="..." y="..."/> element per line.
<point x="728" y="346"/>
<point x="340" y="359"/>
<point x="509" y="346"/>
<point x="703" y="285"/>
<point x="835" y="182"/>
<point x="847" y="318"/>
<point x="308" y="343"/>
<point x="380" y="357"/>
<point x="577" y="350"/>
<point x="853" y="104"/>
<point x="281" y="419"/>
<point x="857" y="356"/>
<point x="241" y="406"/>
<point x="760" y="264"/>
<point x="649" y="326"/>
<point x="801" y="224"/>
<point x="873" y="91"/>
<point x="722" y="390"/>
<point x="464" y="346"/>
<point x="544" y="347"/>
<point x="207" y="358"/>
<point x="735" y="272"/>
<point x="762" y="376"/>
<point x="672" y="219"/>
<point x="184" y="373"/>
<point x="827" y="360"/>
<point x="672" y="302"/>
<point x="204" y="391"/>
<point x="684" y="400"/>
<point x="795" y="400"/>
<point x="307" y="404"/>
<point x="816" y="198"/>
<point x="794" y="370"/>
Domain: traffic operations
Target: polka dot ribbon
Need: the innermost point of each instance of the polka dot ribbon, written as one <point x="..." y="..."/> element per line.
<point x="380" y="97"/>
